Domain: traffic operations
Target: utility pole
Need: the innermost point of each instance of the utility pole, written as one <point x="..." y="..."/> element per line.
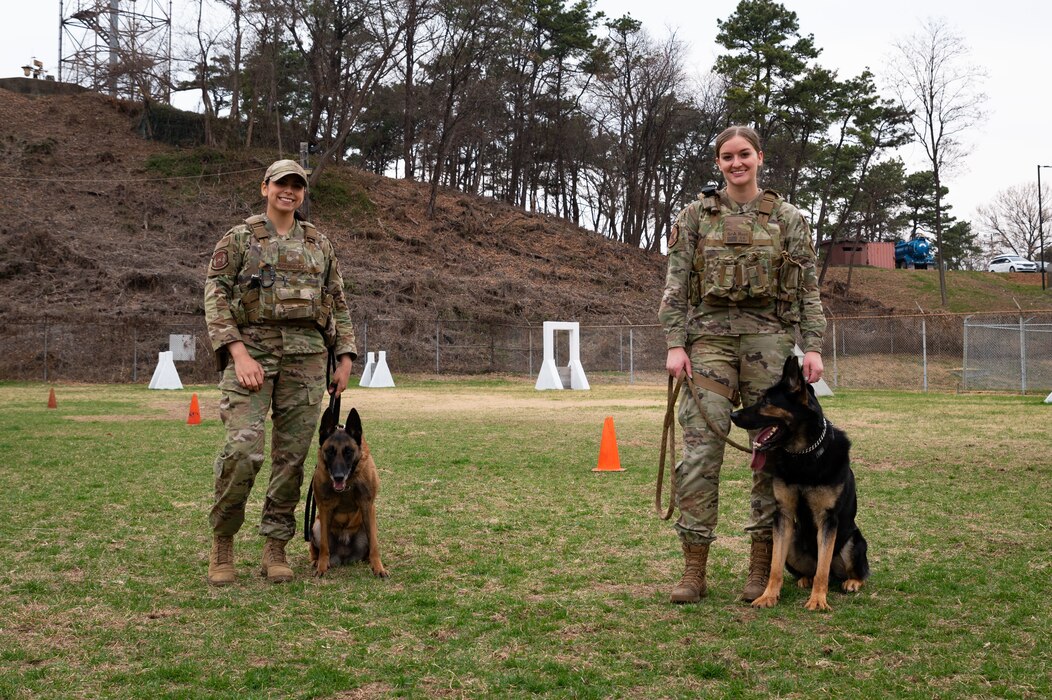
<point x="1040" y="225"/>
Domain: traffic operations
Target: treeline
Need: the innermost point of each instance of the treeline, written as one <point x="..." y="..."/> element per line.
<point x="551" y="106"/>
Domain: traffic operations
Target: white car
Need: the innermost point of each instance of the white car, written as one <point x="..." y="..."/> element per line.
<point x="1012" y="263"/>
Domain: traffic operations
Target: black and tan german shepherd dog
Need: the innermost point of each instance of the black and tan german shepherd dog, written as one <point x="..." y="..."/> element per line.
<point x="344" y="488"/>
<point x="815" y="535"/>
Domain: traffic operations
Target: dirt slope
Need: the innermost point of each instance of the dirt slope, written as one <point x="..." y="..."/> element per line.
<point x="99" y="221"/>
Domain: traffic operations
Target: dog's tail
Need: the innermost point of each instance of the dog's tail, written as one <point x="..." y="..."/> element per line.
<point x="310" y="509"/>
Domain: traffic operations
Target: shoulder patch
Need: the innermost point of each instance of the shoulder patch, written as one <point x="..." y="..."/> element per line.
<point x="673" y="236"/>
<point x="220" y="260"/>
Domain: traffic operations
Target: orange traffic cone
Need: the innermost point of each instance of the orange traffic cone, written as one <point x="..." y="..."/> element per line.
<point x="608" y="459"/>
<point x="195" y="412"/>
<point x="51" y="403"/>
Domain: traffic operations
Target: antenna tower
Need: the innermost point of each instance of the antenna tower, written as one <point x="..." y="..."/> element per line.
<point x="119" y="47"/>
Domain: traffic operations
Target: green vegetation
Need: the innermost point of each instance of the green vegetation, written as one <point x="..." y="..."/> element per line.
<point x="196" y="162"/>
<point x="335" y="192"/>
<point x="515" y="570"/>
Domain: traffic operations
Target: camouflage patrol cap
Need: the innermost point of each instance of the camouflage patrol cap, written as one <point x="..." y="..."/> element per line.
<point x="281" y="168"/>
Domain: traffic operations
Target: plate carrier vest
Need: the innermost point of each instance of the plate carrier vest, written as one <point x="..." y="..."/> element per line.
<point x="283" y="279"/>
<point x="739" y="260"/>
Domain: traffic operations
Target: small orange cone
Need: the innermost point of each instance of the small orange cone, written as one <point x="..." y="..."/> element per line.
<point x="51" y="403"/>
<point x="608" y="459"/>
<point x="195" y="412"/>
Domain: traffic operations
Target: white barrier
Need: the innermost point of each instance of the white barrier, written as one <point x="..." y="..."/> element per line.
<point x="165" y="376"/>
<point x="367" y="374"/>
<point x="549" y="377"/>
<point x="381" y="376"/>
<point x="377" y="375"/>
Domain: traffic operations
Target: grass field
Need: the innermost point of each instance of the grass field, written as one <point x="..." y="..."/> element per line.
<point x="515" y="570"/>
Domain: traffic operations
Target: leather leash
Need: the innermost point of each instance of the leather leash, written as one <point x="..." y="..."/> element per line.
<point x="310" y="507"/>
<point x="668" y="432"/>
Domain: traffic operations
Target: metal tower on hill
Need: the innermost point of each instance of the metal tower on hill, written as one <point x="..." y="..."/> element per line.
<point x="119" y="47"/>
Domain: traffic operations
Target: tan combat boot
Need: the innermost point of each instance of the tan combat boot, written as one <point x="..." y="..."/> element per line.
<point x="759" y="570"/>
<point x="691" y="588"/>
<point x="275" y="567"/>
<point x="221" y="561"/>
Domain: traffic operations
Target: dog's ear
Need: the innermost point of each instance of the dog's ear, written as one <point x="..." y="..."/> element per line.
<point x="353" y="426"/>
<point x="328" y="425"/>
<point x="793" y="374"/>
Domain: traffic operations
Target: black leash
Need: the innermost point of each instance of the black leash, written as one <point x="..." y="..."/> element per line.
<point x="310" y="507"/>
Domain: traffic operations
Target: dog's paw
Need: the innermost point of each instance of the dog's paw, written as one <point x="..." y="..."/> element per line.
<point x="803" y="582"/>
<point x="851" y="585"/>
<point x="765" y="601"/>
<point x="381" y="573"/>
<point x="817" y="602"/>
<point x="321" y="566"/>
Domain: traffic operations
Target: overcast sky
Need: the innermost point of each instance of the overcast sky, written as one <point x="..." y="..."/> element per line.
<point x="1008" y="39"/>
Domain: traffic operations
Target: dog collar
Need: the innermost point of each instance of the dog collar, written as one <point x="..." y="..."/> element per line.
<point x="814" y="446"/>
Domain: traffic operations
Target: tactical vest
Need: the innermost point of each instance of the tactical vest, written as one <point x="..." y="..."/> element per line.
<point x="739" y="259"/>
<point x="282" y="279"/>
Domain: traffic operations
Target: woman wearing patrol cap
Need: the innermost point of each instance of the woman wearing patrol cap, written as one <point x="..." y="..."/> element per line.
<point x="741" y="282"/>
<point x="273" y="302"/>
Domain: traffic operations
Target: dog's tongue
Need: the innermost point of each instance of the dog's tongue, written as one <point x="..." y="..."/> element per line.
<point x="759" y="459"/>
<point x="339" y="485"/>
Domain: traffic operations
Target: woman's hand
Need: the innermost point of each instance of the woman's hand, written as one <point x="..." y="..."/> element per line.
<point x="813" y="366"/>
<point x="249" y="372"/>
<point x="341" y="376"/>
<point x="678" y="362"/>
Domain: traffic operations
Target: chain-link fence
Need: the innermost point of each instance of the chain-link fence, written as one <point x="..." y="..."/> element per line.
<point x="941" y="352"/>
<point x="937" y="352"/>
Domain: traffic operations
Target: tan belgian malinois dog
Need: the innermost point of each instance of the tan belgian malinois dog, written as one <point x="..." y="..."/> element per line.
<point x="344" y="489"/>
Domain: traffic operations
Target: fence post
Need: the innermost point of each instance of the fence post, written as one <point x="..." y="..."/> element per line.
<point x="621" y="333"/>
<point x="530" y="362"/>
<point x="1022" y="356"/>
<point x="834" y="355"/>
<point x="438" y="332"/>
<point x="964" y="363"/>
<point x="365" y="338"/>
<point x="135" y="355"/>
<point x="492" y="349"/>
<point x="924" y="351"/>
<point x="45" y="348"/>
<point x="631" y="358"/>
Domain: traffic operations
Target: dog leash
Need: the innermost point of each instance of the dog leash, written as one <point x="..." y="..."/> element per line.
<point x="310" y="507"/>
<point x="668" y="436"/>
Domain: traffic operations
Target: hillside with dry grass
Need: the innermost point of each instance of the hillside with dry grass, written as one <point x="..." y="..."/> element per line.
<point x="100" y="222"/>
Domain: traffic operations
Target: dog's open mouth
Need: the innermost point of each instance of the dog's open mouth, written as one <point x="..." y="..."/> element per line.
<point x="339" y="484"/>
<point x="759" y="447"/>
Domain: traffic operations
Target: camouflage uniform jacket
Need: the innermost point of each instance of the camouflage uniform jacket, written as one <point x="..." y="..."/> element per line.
<point x="230" y="284"/>
<point x="790" y="285"/>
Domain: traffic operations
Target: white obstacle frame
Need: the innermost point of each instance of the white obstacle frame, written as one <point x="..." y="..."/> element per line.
<point x="165" y="375"/>
<point x="377" y="375"/>
<point x="549" y="376"/>
<point x="367" y="373"/>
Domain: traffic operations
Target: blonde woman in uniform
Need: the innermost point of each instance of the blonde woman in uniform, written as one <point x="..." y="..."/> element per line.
<point x="741" y="285"/>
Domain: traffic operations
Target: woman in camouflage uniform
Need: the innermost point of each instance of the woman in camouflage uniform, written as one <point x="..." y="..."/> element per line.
<point x="273" y="302"/>
<point x="741" y="282"/>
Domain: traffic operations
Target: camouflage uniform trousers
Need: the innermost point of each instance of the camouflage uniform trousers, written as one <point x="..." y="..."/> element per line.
<point x="752" y="363"/>
<point x="293" y="386"/>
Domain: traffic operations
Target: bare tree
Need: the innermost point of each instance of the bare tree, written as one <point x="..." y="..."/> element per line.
<point x="237" y="12"/>
<point x="934" y="81"/>
<point x="348" y="47"/>
<point x="1010" y="221"/>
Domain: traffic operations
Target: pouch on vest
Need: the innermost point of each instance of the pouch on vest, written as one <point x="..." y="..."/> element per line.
<point x="325" y="320"/>
<point x="732" y="277"/>
<point x="293" y="304"/>
<point x="787" y="305"/>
